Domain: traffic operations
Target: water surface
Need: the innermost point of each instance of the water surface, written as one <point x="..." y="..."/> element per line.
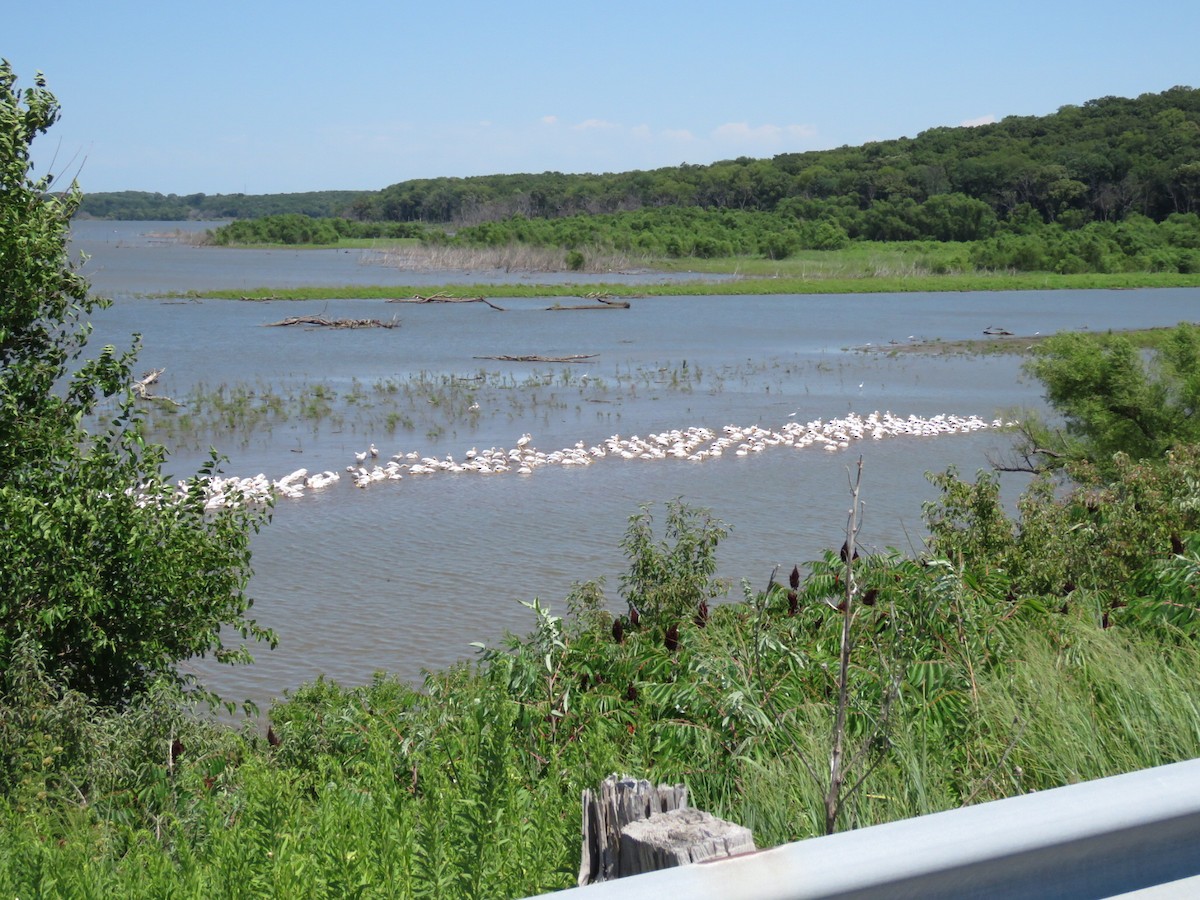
<point x="403" y="576"/>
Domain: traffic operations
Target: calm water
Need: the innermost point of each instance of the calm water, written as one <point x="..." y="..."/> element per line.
<point x="403" y="576"/>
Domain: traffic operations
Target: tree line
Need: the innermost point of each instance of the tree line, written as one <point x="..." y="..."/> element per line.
<point x="1103" y="161"/>
<point x="297" y="228"/>
<point x="1100" y="161"/>
<point x="152" y="206"/>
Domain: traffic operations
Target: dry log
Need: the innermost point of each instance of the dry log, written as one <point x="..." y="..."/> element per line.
<point x="445" y="298"/>
<point x="142" y="387"/>
<point x="578" y="357"/>
<point x="143" y="383"/>
<point x="333" y="323"/>
<point x="603" y="304"/>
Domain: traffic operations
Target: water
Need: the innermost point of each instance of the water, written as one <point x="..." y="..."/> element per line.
<point x="403" y="576"/>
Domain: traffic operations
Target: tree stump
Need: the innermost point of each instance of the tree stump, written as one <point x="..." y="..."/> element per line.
<point x="630" y="827"/>
<point x="678" y="838"/>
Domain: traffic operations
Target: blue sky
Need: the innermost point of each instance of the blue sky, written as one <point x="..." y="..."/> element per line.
<point x="266" y="97"/>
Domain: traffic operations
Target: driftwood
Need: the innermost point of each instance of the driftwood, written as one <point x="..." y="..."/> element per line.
<point x="603" y="304"/>
<point x="333" y="323"/>
<point x="445" y="298"/>
<point x="601" y="301"/>
<point x="630" y="827"/>
<point x="578" y="357"/>
<point x="142" y="387"/>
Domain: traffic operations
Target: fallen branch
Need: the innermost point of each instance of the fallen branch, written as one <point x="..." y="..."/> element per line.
<point x="578" y="357"/>
<point x="333" y="323"/>
<point x="445" y="298"/>
<point x="603" y="304"/>
<point x="142" y="387"/>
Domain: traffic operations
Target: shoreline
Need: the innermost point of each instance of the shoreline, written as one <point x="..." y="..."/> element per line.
<point x="739" y="287"/>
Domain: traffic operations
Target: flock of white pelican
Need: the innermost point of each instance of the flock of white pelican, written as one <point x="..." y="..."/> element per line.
<point x="695" y="445"/>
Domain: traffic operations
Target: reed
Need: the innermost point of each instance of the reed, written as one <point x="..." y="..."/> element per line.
<point x="508" y="258"/>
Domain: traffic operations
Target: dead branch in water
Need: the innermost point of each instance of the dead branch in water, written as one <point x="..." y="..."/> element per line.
<point x="333" y="323"/>
<point x="445" y="298"/>
<point x="603" y="304"/>
<point x="142" y="387"/>
<point x="578" y="357"/>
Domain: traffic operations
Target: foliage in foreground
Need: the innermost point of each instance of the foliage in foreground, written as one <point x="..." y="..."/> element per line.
<point x="105" y="571"/>
<point x="1013" y="656"/>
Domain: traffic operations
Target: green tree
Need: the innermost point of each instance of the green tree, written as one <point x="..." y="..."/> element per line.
<point x="667" y="581"/>
<point x="1114" y="399"/>
<point x="110" y="573"/>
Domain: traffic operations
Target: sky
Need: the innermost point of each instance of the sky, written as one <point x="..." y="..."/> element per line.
<point x="267" y="97"/>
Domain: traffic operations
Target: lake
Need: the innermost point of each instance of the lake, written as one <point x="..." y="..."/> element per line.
<point x="404" y="575"/>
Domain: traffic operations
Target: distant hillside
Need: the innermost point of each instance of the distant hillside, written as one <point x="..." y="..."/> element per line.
<point x="1101" y="161"/>
<point x="175" y="207"/>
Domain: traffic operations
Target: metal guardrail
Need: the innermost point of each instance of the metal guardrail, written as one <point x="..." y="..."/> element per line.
<point x="1129" y="833"/>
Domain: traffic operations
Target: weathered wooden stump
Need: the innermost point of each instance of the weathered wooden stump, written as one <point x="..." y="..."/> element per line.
<point x="678" y="838"/>
<point x="630" y="827"/>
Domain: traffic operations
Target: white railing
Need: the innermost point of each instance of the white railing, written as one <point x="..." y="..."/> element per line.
<point x="1096" y="839"/>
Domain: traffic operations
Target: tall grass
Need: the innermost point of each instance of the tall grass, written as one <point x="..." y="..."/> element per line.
<point x="508" y="258"/>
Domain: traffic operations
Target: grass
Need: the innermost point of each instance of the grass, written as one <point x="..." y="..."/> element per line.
<point x="784" y="284"/>
<point x="861" y="267"/>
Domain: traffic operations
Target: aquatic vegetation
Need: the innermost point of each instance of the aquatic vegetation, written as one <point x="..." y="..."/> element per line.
<point x="435" y="402"/>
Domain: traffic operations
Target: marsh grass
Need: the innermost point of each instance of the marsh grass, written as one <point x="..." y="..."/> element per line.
<point x="507" y="258"/>
<point x="426" y="402"/>
<point x="860" y="268"/>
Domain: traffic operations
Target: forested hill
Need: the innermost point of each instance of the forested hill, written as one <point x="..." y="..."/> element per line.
<point x="1101" y="161"/>
<point x="149" y="205"/>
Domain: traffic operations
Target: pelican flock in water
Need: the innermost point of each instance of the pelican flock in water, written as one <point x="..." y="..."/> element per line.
<point x="695" y="444"/>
